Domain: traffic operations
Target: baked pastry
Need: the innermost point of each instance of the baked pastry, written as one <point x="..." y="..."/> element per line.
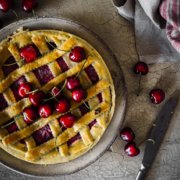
<point x="56" y="96"/>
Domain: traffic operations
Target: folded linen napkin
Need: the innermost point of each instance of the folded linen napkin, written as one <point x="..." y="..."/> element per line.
<point x="151" y="41"/>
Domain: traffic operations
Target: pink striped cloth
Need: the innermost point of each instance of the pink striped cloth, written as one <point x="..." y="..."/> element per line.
<point x="170" y="11"/>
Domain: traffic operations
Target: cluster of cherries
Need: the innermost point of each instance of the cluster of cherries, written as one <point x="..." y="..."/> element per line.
<point x="41" y="106"/>
<point x="128" y="135"/>
<point x="27" y="5"/>
<point x="156" y="96"/>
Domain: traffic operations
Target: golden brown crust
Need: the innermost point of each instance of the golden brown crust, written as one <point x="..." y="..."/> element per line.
<point x="56" y="150"/>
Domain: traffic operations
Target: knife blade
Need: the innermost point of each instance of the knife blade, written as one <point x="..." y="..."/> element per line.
<point x="156" y="135"/>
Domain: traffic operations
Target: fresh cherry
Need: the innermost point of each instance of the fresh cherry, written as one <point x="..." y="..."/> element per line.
<point x="157" y="96"/>
<point x="77" y="54"/>
<point x="45" y="110"/>
<point x="36" y="97"/>
<point x="79" y="94"/>
<point x="72" y="83"/>
<point x="29" y="5"/>
<point x="141" y="68"/>
<point x="28" y="53"/>
<point x="62" y="106"/>
<point x="131" y="149"/>
<point x="24" y="89"/>
<point x="55" y="91"/>
<point x="5" y="5"/>
<point x="30" y="114"/>
<point x="67" y="120"/>
<point x="127" y="134"/>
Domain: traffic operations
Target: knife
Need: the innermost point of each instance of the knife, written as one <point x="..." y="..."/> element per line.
<point x="156" y="135"/>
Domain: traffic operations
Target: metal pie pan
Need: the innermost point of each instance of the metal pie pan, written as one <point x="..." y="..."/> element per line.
<point x="120" y="89"/>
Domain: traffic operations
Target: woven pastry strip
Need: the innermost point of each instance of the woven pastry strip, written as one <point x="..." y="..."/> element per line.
<point x="54" y="82"/>
<point x="52" y="56"/>
<point x="37" y="152"/>
<point x="18" y="135"/>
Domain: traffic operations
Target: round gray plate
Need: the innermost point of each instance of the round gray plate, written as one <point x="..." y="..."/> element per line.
<point x="111" y="132"/>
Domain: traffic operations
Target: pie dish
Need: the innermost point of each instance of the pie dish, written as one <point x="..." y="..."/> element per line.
<point x="46" y="61"/>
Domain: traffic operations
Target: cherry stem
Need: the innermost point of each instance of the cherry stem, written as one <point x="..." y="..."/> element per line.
<point x="8" y="124"/>
<point x="86" y="105"/>
<point x="139" y="85"/>
<point x="54" y="46"/>
<point x="14" y="12"/>
<point x="32" y="91"/>
<point x="33" y="13"/>
<point x="10" y="64"/>
<point x="54" y="97"/>
<point x="77" y="75"/>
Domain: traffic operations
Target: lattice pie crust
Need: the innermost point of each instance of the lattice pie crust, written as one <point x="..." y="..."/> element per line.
<point x="72" y="142"/>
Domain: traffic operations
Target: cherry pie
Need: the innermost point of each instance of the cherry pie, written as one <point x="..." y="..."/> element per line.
<point x="56" y="96"/>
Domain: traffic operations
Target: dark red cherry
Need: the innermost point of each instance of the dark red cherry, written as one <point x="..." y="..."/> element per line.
<point x="72" y="83"/>
<point x="77" y="54"/>
<point x="28" y="53"/>
<point x="36" y="98"/>
<point x="131" y="149"/>
<point x="30" y="114"/>
<point x="157" y="96"/>
<point x="5" y="5"/>
<point x="79" y="94"/>
<point x="29" y="5"/>
<point x="67" y="120"/>
<point x="62" y="106"/>
<point x="55" y="91"/>
<point x="45" y="110"/>
<point x="24" y="89"/>
<point x="127" y="134"/>
<point x="141" y="68"/>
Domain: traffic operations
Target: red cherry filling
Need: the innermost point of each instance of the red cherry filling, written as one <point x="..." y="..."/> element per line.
<point x="28" y="5"/>
<point x="127" y="134"/>
<point x="78" y="95"/>
<point x="28" y="53"/>
<point x="45" y="110"/>
<point x="131" y="149"/>
<point x="77" y="54"/>
<point x="42" y="135"/>
<point x="12" y="127"/>
<point x="24" y="89"/>
<point x="72" y="83"/>
<point x="30" y="114"/>
<point x="3" y="102"/>
<point x="141" y="68"/>
<point x="73" y="139"/>
<point x="157" y="96"/>
<point x="62" y="106"/>
<point x="5" y="5"/>
<point x="62" y="64"/>
<point x="36" y="98"/>
<point x="43" y="74"/>
<point x="84" y="108"/>
<point x="67" y="120"/>
<point x="92" y="123"/>
<point x="92" y="74"/>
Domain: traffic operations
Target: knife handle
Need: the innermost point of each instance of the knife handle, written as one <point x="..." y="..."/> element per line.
<point x="142" y="173"/>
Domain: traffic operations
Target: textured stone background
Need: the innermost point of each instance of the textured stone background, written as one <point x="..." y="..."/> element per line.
<point x="101" y="17"/>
